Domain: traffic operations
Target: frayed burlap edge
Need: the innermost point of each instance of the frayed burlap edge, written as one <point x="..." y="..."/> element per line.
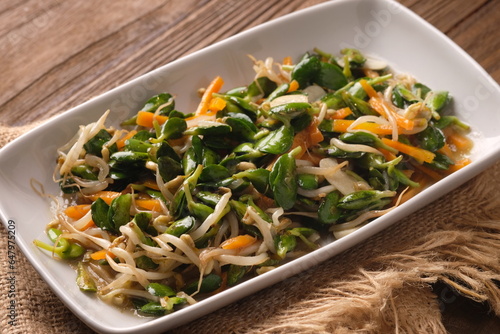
<point x="455" y="240"/>
<point x="391" y="299"/>
<point x="9" y="133"/>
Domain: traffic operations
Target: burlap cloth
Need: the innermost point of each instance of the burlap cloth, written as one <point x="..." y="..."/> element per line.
<point x="382" y="285"/>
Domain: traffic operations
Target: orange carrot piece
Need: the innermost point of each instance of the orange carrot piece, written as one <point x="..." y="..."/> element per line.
<point x="146" y="119"/>
<point x="389" y="156"/>
<point x="265" y="202"/>
<point x="422" y="179"/>
<point x="308" y="137"/>
<point x="151" y="184"/>
<point x="315" y="135"/>
<point x="381" y="107"/>
<point x="341" y="113"/>
<point x="300" y="139"/>
<point x="377" y="105"/>
<point x="101" y="254"/>
<point x="107" y="196"/>
<point x="341" y="125"/>
<point x="216" y="104"/>
<point x="177" y="141"/>
<point x="149" y="204"/>
<point x="294" y="85"/>
<point x="214" y="87"/>
<point x="429" y="172"/>
<point x="446" y="150"/>
<point x="287" y="60"/>
<point x="459" y="165"/>
<point x="461" y="142"/>
<point x="87" y="226"/>
<point x="120" y="143"/>
<point x="77" y="211"/>
<point x="372" y="93"/>
<point x="239" y="241"/>
<point x="416" y="152"/>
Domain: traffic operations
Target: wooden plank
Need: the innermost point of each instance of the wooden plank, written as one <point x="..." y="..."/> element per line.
<point x="95" y="60"/>
<point x="118" y="55"/>
<point x="444" y="15"/>
<point x="37" y="48"/>
<point x="479" y="35"/>
<point x="470" y="24"/>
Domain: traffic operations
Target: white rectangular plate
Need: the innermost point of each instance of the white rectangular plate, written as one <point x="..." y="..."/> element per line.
<point x="380" y="27"/>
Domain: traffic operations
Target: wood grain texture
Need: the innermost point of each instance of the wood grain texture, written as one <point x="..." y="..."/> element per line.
<point x="57" y="54"/>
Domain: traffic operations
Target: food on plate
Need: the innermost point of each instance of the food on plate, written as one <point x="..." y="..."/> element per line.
<point x="173" y="206"/>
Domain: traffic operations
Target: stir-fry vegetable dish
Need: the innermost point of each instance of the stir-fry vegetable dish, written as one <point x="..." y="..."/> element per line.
<point x="173" y="206"/>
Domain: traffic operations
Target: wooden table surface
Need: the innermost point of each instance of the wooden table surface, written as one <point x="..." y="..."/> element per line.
<point x="57" y="54"/>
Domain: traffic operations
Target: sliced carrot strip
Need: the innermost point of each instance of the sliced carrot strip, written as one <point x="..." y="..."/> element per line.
<point x="151" y="184"/>
<point x="149" y="204"/>
<point x="287" y="60"/>
<point x="368" y="88"/>
<point x="146" y="119"/>
<point x="77" y="211"/>
<point x="120" y="143"/>
<point x="214" y="87"/>
<point x="416" y="152"/>
<point x="341" y="125"/>
<point x="216" y="104"/>
<point x="315" y="135"/>
<point x="429" y="172"/>
<point x="294" y="85"/>
<point x="446" y="150"/>
<point x="382" y="107"/>
<point x="461" y="142"/>
<point x="239" y="241"/>
<point x="308" y="137"/>
<point x="389" y="156"/>
<point x="314" y="158"/>
<point x="101" y="255"/>
<point x="341" y="113"/>
<point x="459" y="165"/>
<point x="300" y="139"/>
<point x="107" y="196"/>
<point x="422" y="179"/>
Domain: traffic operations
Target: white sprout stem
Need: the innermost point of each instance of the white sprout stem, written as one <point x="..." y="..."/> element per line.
<point x="213" y="218"/>
<point x="86" y="133"/>
<point x="353" y="147"/>
<point x="243" y="260"/>
<point x="182" y="246"/>
<point x="321" y="192"/>
<point x="341" y="180"/>
<point x="321" y="170"/>
<point x="103" y="243"/>
<point x="264" y="227"/>
<point x="276" y="215"/>
<point x="322" y="112"/>
<point x="105" y="147"/>
<point x="365" y="216"/>
<point x="130" y="292"/>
